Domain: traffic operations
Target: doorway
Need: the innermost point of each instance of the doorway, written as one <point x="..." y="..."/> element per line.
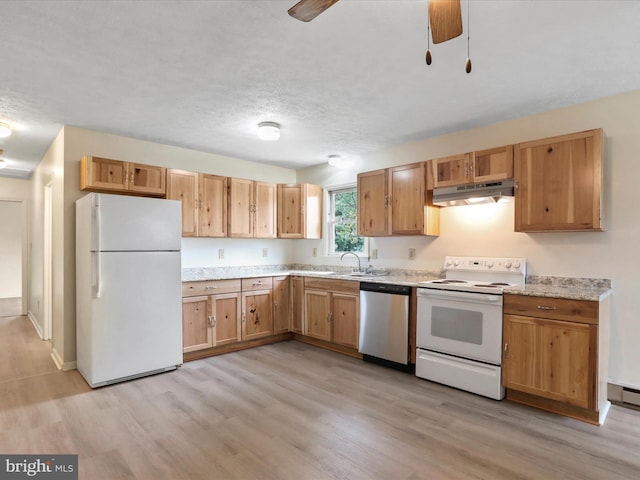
<point x="47" y="294"/>
<point x="12" y="224"/>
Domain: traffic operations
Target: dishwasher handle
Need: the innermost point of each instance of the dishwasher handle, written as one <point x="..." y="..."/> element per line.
<point x="385" y="288"/>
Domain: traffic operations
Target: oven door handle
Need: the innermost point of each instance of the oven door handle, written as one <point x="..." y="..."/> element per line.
<point x="461" y="296"/>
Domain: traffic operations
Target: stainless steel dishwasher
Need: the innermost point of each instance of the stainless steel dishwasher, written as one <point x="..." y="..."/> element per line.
<point x="384" y="324"/>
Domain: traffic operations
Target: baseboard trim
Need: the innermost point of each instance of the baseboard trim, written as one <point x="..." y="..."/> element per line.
<point x="61" y="364"/>
<point x="35" y="324"/>
<point x="624" y="395"/>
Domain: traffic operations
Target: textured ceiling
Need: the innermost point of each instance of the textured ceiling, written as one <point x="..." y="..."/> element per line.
<point x="202" y="74"/>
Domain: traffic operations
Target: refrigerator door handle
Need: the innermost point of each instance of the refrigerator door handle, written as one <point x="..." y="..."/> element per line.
<point x="96" y="245"/>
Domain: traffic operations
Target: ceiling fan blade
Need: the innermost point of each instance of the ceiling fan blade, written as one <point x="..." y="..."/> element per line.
<point x="307" y="10"/>
<point x="445" y="18"/>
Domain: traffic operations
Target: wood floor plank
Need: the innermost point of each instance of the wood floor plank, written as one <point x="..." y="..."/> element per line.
<point x="291" y="411"/>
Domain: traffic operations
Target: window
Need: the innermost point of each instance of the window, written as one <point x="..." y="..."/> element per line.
<point x="343" y="209"/>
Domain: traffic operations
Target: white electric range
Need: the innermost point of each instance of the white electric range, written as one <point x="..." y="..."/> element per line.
<point x="459" y="323"/>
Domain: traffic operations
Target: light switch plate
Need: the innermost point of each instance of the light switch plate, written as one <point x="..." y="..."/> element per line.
<point x="221" y="253"/>
<point x="265" y="252"/>
<point x="374" y="253"/>
<point x="315" y="251"/>
<point x="412" y="254"/>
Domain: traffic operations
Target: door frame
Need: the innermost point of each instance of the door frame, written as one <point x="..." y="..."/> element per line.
<point x="47" y="270"/>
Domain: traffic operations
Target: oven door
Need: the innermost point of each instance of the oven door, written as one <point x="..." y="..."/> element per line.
<point x="464" y="324"/>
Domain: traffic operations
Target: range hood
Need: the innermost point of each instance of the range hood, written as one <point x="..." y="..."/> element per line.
<point x="474" y="193"/>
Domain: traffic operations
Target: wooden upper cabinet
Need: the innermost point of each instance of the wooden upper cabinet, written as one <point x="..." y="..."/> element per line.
<point x="265" y="210"/>
<point x="252" y="209"/>
<point x="183" y="186"/>
<point x="493" y="164"/>
<point x="453" y="170"/>
<point x="480" y="166"/>
<point x="411" y="211"/>
<point x="212" y="206"/>
<point x="115" y="176"/>
<point x="558" y="183"/>
<point x="395" y="201"/>
<point x="373" y="204"/>
<point x="299" y="211"/>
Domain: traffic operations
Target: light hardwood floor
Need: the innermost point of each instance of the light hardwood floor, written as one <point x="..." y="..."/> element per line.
<point x="293" y="411"/>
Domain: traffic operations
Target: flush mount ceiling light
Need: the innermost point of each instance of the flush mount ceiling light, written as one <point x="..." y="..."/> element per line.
<point x="335" y="160"/>
<point x="5" y="130"/>
<point x="269" y="131"/>
<point x="2" y="162"/>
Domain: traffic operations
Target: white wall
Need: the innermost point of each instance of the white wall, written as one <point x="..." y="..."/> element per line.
<point x="488" y="229"/>
<point x="10" y="249"/>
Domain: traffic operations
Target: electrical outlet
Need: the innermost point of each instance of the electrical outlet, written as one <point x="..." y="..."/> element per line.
<point x="221" y="253"/>
<point x="315" y="252"/>
<point x="265" y="252"/>
<point x="412" y="254"/>
<point x="374" y="253"/>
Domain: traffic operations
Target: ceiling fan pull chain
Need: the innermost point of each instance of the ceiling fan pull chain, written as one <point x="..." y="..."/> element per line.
<point x="428" y="56"/>
<point x="468" y="64"/>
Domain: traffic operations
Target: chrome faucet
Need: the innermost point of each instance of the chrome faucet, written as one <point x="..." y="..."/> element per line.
<point x="355" y="255"/>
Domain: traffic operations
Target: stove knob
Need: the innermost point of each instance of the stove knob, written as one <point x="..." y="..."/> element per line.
<point x="517" y="265"/>
<point x="456" y="262"/>
<point x="508" y="264"/>
<point x="490" y="264"/>
<point x="447" y="263"/>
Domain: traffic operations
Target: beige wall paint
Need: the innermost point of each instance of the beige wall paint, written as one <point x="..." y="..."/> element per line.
<point x="486" y="230"/>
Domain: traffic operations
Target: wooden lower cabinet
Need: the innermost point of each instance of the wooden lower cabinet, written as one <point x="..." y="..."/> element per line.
<point x="281" y="304"/>
<point x="317" y="314"/>
<point x="196" y="329"/>
<point x="257" y="314"/>
<point x="556" y="355"/>
<point x="332" y="311"/>
<point x="297" y="304"/>
<point x="225" y="318"/>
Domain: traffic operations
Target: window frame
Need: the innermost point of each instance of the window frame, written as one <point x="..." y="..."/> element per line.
<point x="330" y="221"/>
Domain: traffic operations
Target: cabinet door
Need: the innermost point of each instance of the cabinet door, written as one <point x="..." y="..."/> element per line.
<point x="226" y="318"/>
<point x="146" y="179"/>
<point x="102" y="174"/>
<point x="345" y="319"/>
<point x="240" y="208"/>
<point x="373" y="204"/>
<point x="297" y="304"/>
<point x="407" y="193"/>
<point x="450" y="171"/>
<point x="290" y="211"/>
<point x="257" y="314"/>
<point x="550" y="358"/>
<point x="265" y="209"/>
<point x="317" y="314"/>
<point x="493" y="164"/>
<point x="281" y="304"/>
<point x="196" y="326"/>
<point x="183" y="186"/>
<point x="212" y="211"/>
<point x="558" y="183"/>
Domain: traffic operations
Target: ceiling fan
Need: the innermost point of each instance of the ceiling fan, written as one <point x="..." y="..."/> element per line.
<point x="445" y="16"/>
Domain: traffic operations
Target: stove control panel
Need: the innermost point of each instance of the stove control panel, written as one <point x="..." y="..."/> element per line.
<point x="485" y="264"/>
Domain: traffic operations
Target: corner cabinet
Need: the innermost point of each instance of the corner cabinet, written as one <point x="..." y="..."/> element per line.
<point x="556" y="355"/>
<point x="396" y="201"/>
<point x="114" y="176"/>
<point x="299" y="211"/>
<point x="252" y="209"/>
<point x="281" y="304"/>
<point x="558" y="183"/>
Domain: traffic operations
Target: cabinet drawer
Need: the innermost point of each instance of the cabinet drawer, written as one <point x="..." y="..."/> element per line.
<point x="210" y="287"/>
<point x="581" y="311"/>
<point x="258" y="283"/>
<point x="341" y="286"/>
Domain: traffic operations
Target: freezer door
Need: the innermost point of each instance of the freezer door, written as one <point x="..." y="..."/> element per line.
<point x="127" y="223"/>
<point x="135" y="326"/>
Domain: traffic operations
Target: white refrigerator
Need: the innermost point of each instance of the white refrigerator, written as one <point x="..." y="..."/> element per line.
<point x="128" y="287"/>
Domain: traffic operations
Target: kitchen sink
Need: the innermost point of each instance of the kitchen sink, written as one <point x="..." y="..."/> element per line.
<point x="310" y="272"/>
<point x="365" y="274"/>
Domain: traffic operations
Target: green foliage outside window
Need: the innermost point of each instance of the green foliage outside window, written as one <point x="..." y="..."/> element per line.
<point x="345" y="208"/>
